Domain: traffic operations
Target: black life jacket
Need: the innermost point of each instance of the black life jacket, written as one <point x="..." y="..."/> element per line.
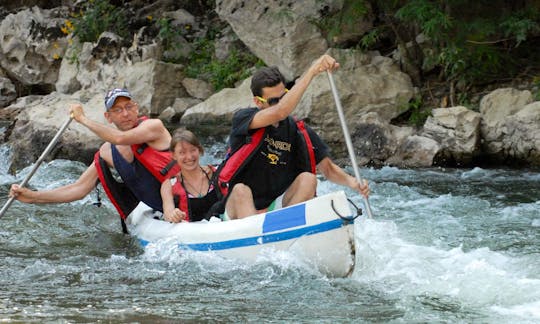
<point x="181" y="196"/>
<point x="119" y="194"/>
<point x="237" y="160"/>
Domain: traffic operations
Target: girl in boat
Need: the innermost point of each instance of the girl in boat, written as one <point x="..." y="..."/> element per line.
<point x="189" y="195"/>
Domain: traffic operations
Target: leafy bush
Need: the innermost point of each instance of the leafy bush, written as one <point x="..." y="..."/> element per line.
<point x="472" y="41"/>
<point x="536" y="89"/>
<point x="96" y="17"/>
<point x="221" y="74"/>
<point x="170" y="34"/>
<point x="418" y="115"/>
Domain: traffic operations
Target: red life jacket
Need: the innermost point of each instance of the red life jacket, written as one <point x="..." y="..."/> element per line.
<point x="238" y="159"/>
<point x="159" y="163"/>
<point x="180" y="194"/>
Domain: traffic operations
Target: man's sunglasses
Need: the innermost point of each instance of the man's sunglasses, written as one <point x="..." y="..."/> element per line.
<point x="272" y="101"/>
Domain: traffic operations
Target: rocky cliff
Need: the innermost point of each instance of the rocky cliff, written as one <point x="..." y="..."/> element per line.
<point x="43" y="69"/>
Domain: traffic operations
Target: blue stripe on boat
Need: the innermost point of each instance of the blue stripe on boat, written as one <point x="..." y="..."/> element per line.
<point x="258" y="240"/>
<point x="284" y="218"/>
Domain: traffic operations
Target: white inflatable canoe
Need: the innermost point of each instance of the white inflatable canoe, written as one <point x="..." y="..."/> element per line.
<point x="313" y="231"/>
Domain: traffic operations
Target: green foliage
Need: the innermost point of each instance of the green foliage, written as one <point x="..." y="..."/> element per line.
<point x="72" y="54"/>
<point x="201" y="62"/>
<point x="99" y="16"/>
<point x="235" y="68"/>
<point x="464" y="100"/>
<point x="521" y="24"/>
<point x="167" y="33"/>
<point x="221" y="74"/>
<point x="536" y="84"/>
<point x="418" y="115"/>
<point x="470" y="63"/>
<point x="370" y="38"/>
<point x="472" y="39"/>
<point x="203" y="54"/>
<point x="433" y="22"/>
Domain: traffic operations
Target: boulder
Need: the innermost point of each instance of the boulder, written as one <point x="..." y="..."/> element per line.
<point x="521" y="140"/>
<point x="172" y="115"/>
<point x="457" y="130"/>
<point x="8" y="92"/>
<point x="375" y="140"/>
<point x="218" y="109"/>
<point x="38" y="123"/>
<point x="31" y="46"/>
<point x="196" y="88"/>
<point x="495" y="107"/>
<point x="280" y="33"/>
<point x="106" y="65"/>
<point x="416" y="151"/>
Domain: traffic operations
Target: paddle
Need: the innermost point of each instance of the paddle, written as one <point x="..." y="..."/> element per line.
<point x="38" y="162"/>
<point x="347" y="138"/>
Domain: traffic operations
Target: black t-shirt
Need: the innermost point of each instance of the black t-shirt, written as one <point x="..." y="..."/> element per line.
<point x="278" y="161"/>
<point x="199" y="207"/>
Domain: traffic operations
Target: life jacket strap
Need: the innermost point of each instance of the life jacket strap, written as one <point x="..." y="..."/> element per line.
<point x="141" y="148"/>
<point x="168" y="167"/>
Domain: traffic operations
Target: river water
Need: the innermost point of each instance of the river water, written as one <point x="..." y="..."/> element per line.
<point x="445" y="245"/>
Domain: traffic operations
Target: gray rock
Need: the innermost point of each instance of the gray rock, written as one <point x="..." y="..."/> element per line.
<point x="457" y="130"/>
<point x="8" y="92"/>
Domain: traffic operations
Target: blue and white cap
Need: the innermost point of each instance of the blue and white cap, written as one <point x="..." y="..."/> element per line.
<point x="113" y="94"/>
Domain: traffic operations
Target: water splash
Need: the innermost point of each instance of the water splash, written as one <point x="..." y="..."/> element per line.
<point x="479" y="278"/>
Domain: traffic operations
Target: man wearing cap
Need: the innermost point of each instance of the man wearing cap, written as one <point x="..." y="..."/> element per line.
<point x="138" y="148"/>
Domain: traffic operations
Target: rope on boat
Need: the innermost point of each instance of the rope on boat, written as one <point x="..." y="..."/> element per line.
<point x="347" y="219"/>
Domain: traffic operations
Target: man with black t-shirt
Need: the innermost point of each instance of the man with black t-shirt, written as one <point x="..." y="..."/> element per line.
<point x="274" y="157"/>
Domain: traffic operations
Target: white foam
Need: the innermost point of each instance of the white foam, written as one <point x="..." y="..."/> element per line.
<point x="5" y="155"/>
<point x="478" y="278"/>
<point x="525" y="311"/>
<point x="476" y="173"/>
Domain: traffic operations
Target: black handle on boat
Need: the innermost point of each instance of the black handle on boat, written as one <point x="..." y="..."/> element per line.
<point x="347" y="138"/>
<point x="38" y="162"/>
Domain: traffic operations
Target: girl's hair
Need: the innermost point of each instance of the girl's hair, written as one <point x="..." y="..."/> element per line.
<point x="266" y="77"/>
<point x="183" y="135"/>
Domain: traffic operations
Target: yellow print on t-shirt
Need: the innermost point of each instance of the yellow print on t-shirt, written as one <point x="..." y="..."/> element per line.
<point x="284" y="146"/>
<point x="273" y="158"/>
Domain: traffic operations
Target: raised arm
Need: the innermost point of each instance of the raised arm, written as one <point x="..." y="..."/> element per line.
<point x="151" y="131"/>
<point x="288" y="103"/>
